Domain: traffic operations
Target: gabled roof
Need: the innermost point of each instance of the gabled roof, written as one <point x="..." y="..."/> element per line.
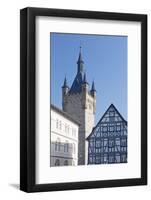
<point x="111" y="107"/>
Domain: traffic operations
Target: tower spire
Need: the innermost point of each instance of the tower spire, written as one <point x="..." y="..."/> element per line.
<point x="93" y="86"/>
<point x="93" y="90"/>
<point x="80" y="62"/>
<point x="85" y="78"/>
<point x="65" y="85"/>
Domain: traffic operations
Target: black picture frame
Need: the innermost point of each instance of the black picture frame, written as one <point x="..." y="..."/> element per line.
<point x="28" y="99"/>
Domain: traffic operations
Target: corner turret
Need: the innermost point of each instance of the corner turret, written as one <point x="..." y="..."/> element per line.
<point x="65" y="87"/>
<point x="65" y="90"/>
<point x="93" y="90"/>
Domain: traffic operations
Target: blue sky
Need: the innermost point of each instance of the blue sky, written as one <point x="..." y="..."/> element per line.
<point x="105" y="62"/>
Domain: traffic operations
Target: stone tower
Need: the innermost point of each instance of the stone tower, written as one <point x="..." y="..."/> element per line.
<point x="80" y="102"/>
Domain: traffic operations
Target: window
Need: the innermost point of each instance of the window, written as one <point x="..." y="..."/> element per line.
<point x="118" y="127"/>
<point x="105" y="142"/>
<point x="105" y="149"/>
<point x="105" y="159"/>
<point x="66" y="162"/>
<point x="111" y="149"/>
<point x="117" y="158"/>
<point x="97" y="161"/>
<point x="57" y="123"/>
<point x="60" y="125"/>
<point x="92" y="159"/>
<point x="123" y="142"/>
<point x="98" y="143"/>
<point x="111" y="128"/>
<point x="117" y="141"/>
<point x="58" y="144"/>
<point x="111" y="143"/>
<point x="125" y="131"/>
<point x="117" y="144"/>
<point x="98" y="150"/>
<point x="111" y="159"/>
<point x="57" y="162"/>
<point x="104" y="128"/>
<point x="66" y="146"/>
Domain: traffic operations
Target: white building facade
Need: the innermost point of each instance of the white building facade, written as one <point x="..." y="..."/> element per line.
<point x="63" y="139"/>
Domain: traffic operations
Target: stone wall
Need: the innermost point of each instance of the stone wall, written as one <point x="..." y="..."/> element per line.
<point x="82" y="108"/>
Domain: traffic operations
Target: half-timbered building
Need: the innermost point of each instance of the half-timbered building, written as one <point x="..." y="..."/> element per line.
<point x="107" y="142"/>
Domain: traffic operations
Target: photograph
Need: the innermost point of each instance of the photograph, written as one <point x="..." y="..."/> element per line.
<point x="88" y="99"/>
<point x="83" y="99"/>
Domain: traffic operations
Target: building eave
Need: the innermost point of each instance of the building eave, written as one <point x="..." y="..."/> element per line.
<point x="64" y="114"/>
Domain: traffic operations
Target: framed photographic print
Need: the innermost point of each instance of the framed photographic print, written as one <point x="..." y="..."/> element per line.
<point x="83" y="99"/>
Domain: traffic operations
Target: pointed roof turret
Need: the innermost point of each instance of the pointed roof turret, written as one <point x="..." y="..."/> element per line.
<point x="65" y="83"/>
<point x="80" y="62"/>
<point x="78" y="81"/>
<point x="93" y="87"/>
<point x="85" y="79"/>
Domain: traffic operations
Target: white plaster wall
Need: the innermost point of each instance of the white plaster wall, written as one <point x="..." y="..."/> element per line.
<point x="64" y="137"/>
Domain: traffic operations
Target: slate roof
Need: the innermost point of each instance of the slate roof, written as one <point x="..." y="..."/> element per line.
<point x="79" y="79"/>
<point x="80" y="76"/>
<point x="77" y="83"/>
